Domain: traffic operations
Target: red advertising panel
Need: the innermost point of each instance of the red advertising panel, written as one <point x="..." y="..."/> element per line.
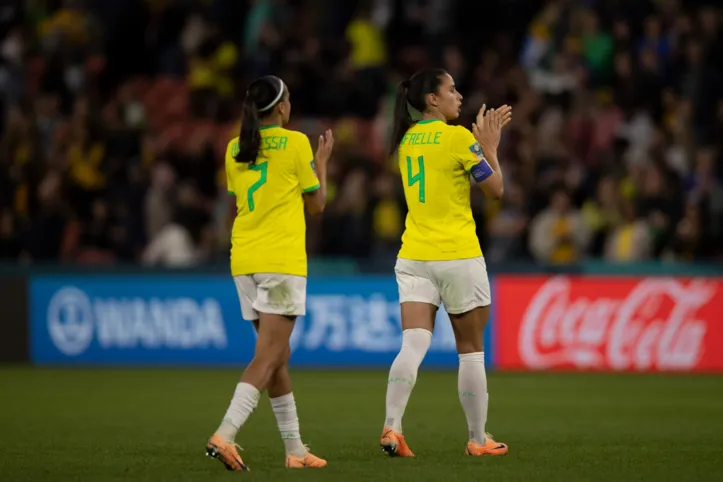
<point x="615" y="324"/>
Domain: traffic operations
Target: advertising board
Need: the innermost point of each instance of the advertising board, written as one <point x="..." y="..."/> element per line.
<point x="196" y="320"/>
<point x="649" y="324"/>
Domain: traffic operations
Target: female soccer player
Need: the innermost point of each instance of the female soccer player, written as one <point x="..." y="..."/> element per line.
<point x="440" y="259"/>
<point x="271" y="172"/>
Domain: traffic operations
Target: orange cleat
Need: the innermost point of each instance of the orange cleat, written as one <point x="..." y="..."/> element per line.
<point x="308" y="461"/>
<point x="226" y="453"/>
<point x="393" y="444"/>
<point x="490" y="447"/>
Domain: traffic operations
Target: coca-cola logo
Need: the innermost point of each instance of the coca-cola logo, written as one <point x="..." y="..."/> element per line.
<point x="653" y="325"/>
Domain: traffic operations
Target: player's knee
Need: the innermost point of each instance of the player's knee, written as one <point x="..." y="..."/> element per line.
<point x="273" y="355"/>
<point x="269" y="361"/>
<point x="283" y="357"/>
<point x="472" y="345"/>
<point x="416" y="342"/>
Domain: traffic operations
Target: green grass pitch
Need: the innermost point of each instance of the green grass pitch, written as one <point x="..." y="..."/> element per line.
<point x="151" y="425"/>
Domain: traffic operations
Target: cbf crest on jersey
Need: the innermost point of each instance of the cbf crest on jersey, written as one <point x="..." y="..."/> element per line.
<point x="476" y="149"/>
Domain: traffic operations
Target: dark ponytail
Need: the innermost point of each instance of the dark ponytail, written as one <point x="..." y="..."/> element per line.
<point x="402" y="118"/>
<point x="249" y="139"/>
<point x="262" y="96"/>
<point x="412" y="94"/>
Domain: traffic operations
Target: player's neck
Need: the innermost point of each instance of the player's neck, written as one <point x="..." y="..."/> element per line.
<point x="430" y="116"/>
<point x="272" y="122"/>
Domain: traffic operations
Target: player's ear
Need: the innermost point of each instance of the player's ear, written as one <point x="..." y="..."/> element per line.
<point x="432" y="100"/>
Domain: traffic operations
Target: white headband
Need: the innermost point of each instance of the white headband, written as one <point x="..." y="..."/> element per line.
<point x="278" y="97"/>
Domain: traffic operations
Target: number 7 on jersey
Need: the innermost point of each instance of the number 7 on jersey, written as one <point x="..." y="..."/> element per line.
<point x="417" y="178"/>
<point x="263" y="168"/>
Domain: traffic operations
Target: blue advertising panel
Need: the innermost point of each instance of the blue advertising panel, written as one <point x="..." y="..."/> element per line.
<point x="196" y="320"/>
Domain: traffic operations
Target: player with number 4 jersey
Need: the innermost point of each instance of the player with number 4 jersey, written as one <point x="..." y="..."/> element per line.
<point x="440" y="260"/>
<point x="272" y="173"/>
<point x="435" y="160"/>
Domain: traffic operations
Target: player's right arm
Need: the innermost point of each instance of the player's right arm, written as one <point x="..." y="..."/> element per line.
<point x="312" y="171"/>
<point x="480" y="165"/>
<point x="487" y="130"/>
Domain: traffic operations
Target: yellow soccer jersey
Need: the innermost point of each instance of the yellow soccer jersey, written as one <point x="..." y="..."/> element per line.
<point x="269" y="232"/>
<point x="435" y="160"/>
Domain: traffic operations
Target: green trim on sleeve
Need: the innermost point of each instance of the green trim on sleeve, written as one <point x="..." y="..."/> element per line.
<point x="231" y="193"/>
<point x="311" y="189"/>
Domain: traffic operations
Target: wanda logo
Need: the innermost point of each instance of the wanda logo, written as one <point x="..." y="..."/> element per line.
<point x="654" y="324"/>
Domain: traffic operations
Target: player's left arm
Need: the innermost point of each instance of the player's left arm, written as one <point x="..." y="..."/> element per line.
<point x="484" y="168"/>
<point x="229" y="163"/>
<point x="313" y="189"/>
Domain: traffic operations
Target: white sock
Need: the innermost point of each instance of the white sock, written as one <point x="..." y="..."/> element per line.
<point x="403" y="374"/>
<point x="243" y="403"/>
<point x="472" y="385"/>
<point x="288" y="421"/>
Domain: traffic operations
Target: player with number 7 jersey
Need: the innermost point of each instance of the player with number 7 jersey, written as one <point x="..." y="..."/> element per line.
<point x="269" y="232"/>
<point x="272" y="173"/>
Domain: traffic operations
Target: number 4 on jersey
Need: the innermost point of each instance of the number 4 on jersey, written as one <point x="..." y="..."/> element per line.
<point x="263" y="168"/>
<point x="417" y="178"/>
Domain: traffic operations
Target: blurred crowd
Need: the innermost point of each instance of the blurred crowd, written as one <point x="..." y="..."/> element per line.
<point x="116" y="114"/>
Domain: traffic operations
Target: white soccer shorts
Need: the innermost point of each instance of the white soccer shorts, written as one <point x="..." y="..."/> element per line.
<point x="461" y="284"/>
<point x="276" y="294"/>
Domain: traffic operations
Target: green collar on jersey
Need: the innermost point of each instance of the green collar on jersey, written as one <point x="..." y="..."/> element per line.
<point x="427" y="121"/>
<point x="263" y="128"/>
